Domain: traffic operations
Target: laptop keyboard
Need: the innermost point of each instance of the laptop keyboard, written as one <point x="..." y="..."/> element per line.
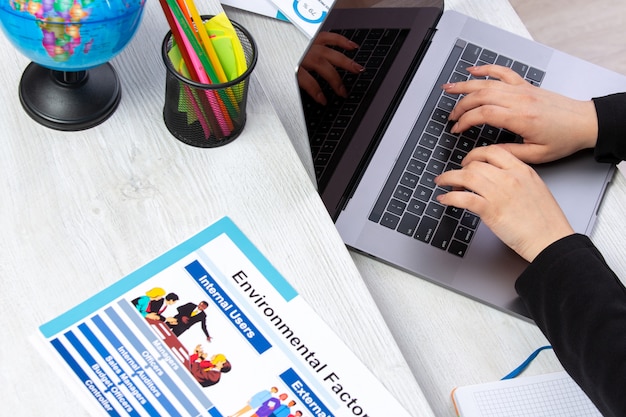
<point x="327" y="125"/>
<point x="408" y="202"/>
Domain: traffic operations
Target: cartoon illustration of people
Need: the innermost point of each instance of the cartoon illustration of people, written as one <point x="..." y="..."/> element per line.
<point x="256" y="401"/>
<point x="208" y="372"/>
<point x="170" y="300"/>
<point x="154" y="302"/>
<point x="188" y="315"/>
<point x="283" y="410"/>
<point x="269" y="406"/>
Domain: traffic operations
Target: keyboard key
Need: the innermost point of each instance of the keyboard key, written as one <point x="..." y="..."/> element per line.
<point x="454" y="212"/>
<point x="409" y="180"/>
<point x="422" y="154"/>
<point x="435" y="166"/>
<point x="535" y="74"/>
<point x="457" y="248"/>
<point x="444" y="233"/>
<point x="452" y="166"/>
<point x="423" y="193"/>
<point x="457" y="78"/>
<point x="446" y="103"/>
<point x="488" y="56"/>
<point x="408" y="224"/>
<point x="457" y="156"/>
<point x="426" y="229"/>
<point x="416" y="207"/>
<point x="520" y="68"/>
<point x="472" y="133"/>
<point x="396" y="207"/>
<point x="415" y="166"/>
<point x="389" y="36"/>
<point x="440" y="115"/>
<point x="357" y="35"/>
<point x="471" y="53"/>
<point x="334" y="134"/>
<point x="428" y="180"/>
<point x="490" y="132"/>
<point x="462" y="66"/>
<point x="375" y="33"/>
<point x="442" y="154"/>
<point x="390" y="220"/>
<point x="447" y="141"/>
<point x="470" y="220"/>
<point x="403" y="193"/>
<point x="329" y="146"/>
<point x="435" y="210"/>
<point x="429" y="141"/>
<point x="464" y="234"/>
<point x="434" y="128"/>
<point x="466" y="144"/>
<point x="449" y="126"/>
<point x="484" y="142"/>
<point x="322" y="159"/>
<point x="504" y="61"/>
<point x="367" y="45"/>
<point x="438" y="191"/>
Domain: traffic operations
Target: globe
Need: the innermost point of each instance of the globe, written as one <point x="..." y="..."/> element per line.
<point x="70" y="83"/>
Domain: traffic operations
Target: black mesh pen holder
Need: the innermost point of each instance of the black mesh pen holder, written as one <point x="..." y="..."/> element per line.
<point x="212" y="114"/>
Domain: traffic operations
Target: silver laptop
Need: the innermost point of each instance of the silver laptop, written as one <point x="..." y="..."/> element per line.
<point x="376" y="151"/>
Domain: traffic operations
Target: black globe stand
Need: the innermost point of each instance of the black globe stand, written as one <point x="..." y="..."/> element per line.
<point x="70" y="101"/>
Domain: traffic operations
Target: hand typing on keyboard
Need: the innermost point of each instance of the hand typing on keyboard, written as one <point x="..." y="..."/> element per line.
<point x="510" y="198"/>
<point x="552" y="126"/>
<point x="324" y="58"/>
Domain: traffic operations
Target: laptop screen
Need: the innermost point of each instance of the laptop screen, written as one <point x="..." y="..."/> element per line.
<point x="352" y="77"/>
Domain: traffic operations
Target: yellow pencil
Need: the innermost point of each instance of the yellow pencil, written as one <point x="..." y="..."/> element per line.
<point x="206" y="42"/>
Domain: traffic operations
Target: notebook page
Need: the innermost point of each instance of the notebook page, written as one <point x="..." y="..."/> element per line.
<point x="549" y="395"/>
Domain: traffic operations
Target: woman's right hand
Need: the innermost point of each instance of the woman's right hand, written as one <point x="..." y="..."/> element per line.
<point x="553" y="126"/>
<point x="510" y="198"/>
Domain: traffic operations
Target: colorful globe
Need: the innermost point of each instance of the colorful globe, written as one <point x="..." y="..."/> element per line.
<point x="70" y="84"/>
<point x="70" y="35"/>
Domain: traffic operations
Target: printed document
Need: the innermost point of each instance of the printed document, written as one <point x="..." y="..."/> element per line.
<point x="210" y="328"/>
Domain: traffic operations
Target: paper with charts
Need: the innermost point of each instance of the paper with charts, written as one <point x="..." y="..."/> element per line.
<point x="307" y="15"/>
<point x="210" y="328"/>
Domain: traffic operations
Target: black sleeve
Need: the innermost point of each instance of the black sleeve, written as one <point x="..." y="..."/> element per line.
<point x="580" y="305"/>
<point x="611" y="144"/>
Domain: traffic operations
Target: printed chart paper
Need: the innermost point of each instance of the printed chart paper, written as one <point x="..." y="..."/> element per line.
<point x="210" y="328"/>
<point x="307" y="15"/>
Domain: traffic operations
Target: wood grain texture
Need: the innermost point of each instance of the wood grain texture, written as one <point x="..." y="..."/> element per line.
<point x="592" y="30"/>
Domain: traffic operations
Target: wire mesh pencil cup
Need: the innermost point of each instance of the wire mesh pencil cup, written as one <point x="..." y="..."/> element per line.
<point x="207" y="115"/>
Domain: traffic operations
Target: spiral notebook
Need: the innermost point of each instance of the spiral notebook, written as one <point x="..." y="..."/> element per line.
<point x="549" y="395"/>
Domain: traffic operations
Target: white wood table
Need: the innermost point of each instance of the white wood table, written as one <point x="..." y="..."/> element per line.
<point x="82" y="209"/>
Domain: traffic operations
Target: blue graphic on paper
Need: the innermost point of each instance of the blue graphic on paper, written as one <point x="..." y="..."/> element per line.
<point x="309" y="12"/>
